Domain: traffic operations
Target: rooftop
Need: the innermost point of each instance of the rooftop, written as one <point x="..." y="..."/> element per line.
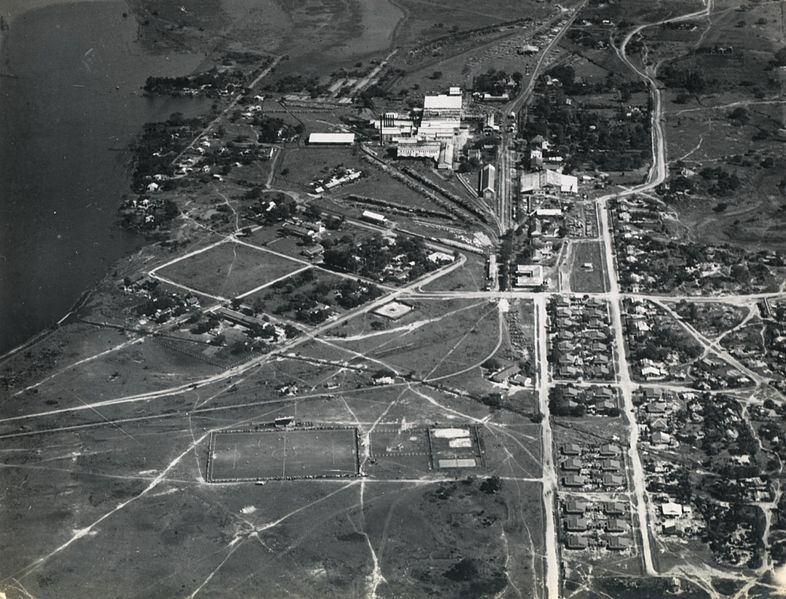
<point x="331" y="138"/>
<point x="442" y="102"/>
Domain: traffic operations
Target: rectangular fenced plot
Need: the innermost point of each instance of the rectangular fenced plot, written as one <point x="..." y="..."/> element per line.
<point x="283" y="454"/>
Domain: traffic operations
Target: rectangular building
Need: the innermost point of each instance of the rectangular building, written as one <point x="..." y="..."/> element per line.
<point x="545" y="180"/>
<point x="486" y="186"/>
<point x="333" y="139"/>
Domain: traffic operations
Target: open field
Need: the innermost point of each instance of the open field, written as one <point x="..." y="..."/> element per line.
<point x="459" y="340"/>
<point x="229" y="270"/>
<point x="282" y="454"/>
<point x="588" y="267"/>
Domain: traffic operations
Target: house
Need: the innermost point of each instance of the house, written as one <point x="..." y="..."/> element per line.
<point x="528" y="275"/>
<point x="486" y="186"/>
<point x="616" y="525"/>
<point x="568" y="372"/>
<point x="572" y="465"/>
<point x="575" y="541"/>
<point x="651" y="373"/>
<point x="571" y="449"/>
<point x="618" y="543"/>
<point x="605" y="406"/>
<point x="671" y="509"/>
<point x="611" y="465"/>
<point x="609" y="450"/>
<point x="614" y="508"/>
<point x="313" y="252"/>
<point x="660" y="438"/>
<point x="566" y="359"/>
<point x="294" y="230"/>
<point x="613" y="480"/>
<point x="576" y="506"/>
<point x="504" y="374"/>
<point x="573" y="480"/>
<point x="576" y="524"/>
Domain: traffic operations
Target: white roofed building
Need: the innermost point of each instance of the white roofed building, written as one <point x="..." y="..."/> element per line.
<point x="537" y="181"/>
<point x="342" y="139"/>
<point x="486" y="186"/>
<point x="419" y="149"/>
<point x="443" y="105"/>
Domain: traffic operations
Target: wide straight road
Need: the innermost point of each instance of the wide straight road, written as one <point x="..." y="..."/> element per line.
<point x="549" y="473"/>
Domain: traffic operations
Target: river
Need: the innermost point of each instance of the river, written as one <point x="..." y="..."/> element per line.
<point x="65" y="119"/>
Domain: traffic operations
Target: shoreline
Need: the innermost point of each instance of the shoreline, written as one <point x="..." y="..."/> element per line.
<point x="77" y="220"/>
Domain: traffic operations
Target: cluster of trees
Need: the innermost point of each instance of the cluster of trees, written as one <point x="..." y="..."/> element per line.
<point x="720" y="182"/>
<point x="158" y="145"/>
<point x="210" y="83"/>
<point x="170" y="303"/>
<point x="273" y="129"/>
<point x="309" y="299"/>
<point x="298" y="83"/>
<point x="668" y="263"/>
<point x="372" y="255"/>
<point x="496" y="82"/>
<point x="588" y="137"/>
<point x="136" y="217"/>
<point x="692" y="80"/>
<point x="261" y="212"/>
<point x="663" y="340"/>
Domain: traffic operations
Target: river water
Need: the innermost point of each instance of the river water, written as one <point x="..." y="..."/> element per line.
<point x="64" y="123"/>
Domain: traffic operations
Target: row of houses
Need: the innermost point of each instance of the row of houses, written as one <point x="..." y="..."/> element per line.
<point x="569" y="400"/>
<point x="581" y="339"/>
<point x="597" y="524"/>
<point x="592" y="468"/>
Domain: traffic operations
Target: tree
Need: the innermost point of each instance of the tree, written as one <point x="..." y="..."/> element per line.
<point x="780" y="57"/>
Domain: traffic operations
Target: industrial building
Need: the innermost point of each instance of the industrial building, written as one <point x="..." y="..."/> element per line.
<point x="433" y="134"/>
<point x="333" y="139"/>
<point x="486" y="186"/>
<point x="547" y="179"/>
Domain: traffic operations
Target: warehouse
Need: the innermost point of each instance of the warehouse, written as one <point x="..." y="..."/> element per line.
<point x="332" y="139"/>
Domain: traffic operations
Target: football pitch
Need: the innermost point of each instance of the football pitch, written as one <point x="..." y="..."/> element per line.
<point x="282" y="454"/>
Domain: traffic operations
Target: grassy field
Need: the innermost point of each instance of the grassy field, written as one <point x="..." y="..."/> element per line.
<point x="282" y="454"/>
<point x="584" y="280"/>
<point x="229" y="270"/>
<point x="156" y="463"/>
<point x="299" y="167"/>
<point x="435" y="348"/>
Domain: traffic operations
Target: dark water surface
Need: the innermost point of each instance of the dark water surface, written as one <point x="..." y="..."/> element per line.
<point x="75" y="103"/>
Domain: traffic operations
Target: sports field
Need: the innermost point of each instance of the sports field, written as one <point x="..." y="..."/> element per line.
<point x="279" y="454"/>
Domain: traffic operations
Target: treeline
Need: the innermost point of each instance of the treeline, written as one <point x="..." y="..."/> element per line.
<point x="210" y="83"/>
